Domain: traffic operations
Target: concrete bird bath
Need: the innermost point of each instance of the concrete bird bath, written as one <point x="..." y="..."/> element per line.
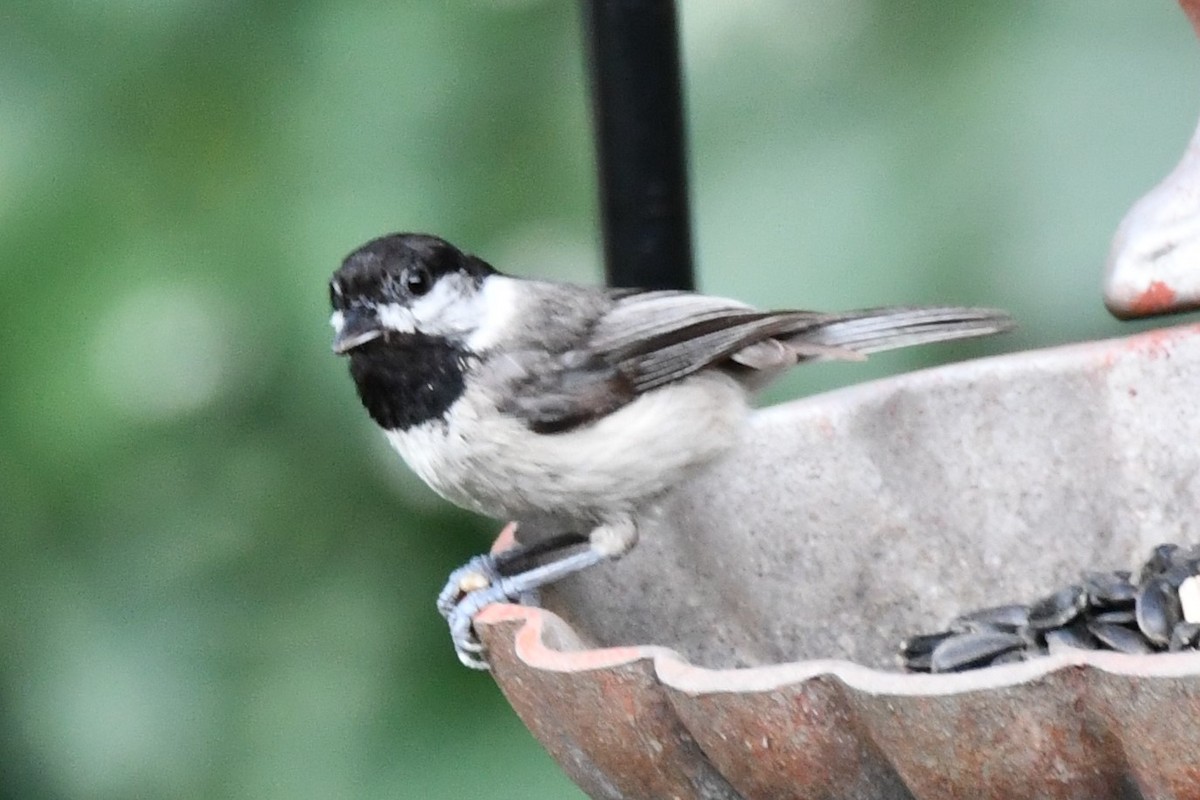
<point x="746" y="647"/>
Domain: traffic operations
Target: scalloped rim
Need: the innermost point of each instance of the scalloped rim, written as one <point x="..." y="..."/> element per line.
<point x="679" y="674"/>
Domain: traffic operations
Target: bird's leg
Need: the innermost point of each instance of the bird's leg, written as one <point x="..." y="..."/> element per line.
<point x="510" y="561"/>
<point x="605" y="543"/>
<point x="485" y="570"/>
<point x="466" y="643"/>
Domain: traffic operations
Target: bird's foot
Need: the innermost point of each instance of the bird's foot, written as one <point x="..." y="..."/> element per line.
<point x="468" y="590"/>
<point x="478" y="573"/>
<point x="467" y="647"/>
<point x="479" y="583"/>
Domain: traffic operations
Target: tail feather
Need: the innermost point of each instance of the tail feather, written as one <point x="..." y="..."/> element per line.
<point x="874" y="330"/>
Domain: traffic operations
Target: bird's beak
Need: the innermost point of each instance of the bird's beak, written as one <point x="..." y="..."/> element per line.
<point x="358" y="327"/>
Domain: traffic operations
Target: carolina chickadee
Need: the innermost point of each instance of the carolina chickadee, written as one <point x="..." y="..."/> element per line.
<point x="515" y="398"/>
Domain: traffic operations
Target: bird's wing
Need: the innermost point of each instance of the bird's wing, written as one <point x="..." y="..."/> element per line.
<point x="649" y="339"/>
<point x="654" y="338"/>
<point x="643" y="341"/>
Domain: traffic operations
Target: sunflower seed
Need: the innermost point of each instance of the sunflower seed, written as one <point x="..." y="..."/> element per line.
<point x="1121" y="616"/>
<point x="1012" y="657"/>
<point x="1105" y="610"/>
<point x="1188" y="557"/>
<point x="1058" y="609"/>
<point x="967" y="650"/>
<point x="1186" y="636"/>
<point x="1160" y="559"/>
<point x="1108" y="589"/>
<point x="1072" y="637"/>
<point x="1119" y="638"/>
<point x="916" y="651"/>
<point x="1158" y="611"/>
<point x="1005" y="619"/>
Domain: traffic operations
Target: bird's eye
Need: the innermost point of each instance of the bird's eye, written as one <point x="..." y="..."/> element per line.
<point x="418" y="281"/>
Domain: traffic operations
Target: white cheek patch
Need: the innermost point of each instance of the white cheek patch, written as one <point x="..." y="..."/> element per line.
<point x="456" y="308"/>
<point x="496" y="305"/>
<point x="452" y="308"/>
<point x="396" y="317"/>
<point x="434" y="312"/>
<point x="338" y="321"/>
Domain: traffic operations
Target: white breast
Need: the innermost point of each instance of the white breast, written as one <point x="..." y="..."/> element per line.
<point x="496" y="466"/>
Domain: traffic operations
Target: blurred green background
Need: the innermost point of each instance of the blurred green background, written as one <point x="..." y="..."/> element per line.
<point x="216" y="581"/>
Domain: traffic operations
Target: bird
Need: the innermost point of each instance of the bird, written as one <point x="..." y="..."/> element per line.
<point x="518" y="398"/>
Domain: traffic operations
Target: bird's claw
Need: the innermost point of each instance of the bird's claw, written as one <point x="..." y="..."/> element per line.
<point x="482" y="582"/>
<point x="469" y="589"/>
<point x="477" y="574"/>
<point x="466" y="642"/>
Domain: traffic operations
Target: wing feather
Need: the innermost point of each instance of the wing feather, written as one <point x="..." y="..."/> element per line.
<point x="649" y="339"/>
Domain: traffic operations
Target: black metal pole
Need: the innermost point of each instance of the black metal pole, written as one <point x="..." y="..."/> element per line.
<point x="637" y="108"/>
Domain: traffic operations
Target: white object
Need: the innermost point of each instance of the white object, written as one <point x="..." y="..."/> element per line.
<point x="1189" y="598"/>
